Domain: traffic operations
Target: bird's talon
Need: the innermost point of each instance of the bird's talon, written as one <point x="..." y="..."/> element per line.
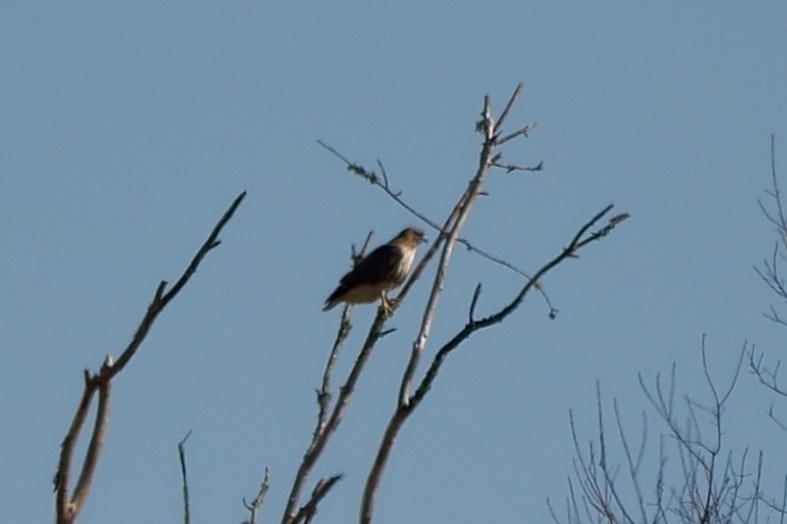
<point x="388" y="304"/>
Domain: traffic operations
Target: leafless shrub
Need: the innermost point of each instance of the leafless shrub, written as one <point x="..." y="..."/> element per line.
<point x="696" y="482"/>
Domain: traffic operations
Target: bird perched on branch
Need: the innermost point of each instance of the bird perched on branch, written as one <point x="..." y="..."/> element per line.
<point x="380" y="271"/>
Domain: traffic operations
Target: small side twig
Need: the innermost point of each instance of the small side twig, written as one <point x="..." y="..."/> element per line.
<point x="476" y="294"/>
<point x="309" y="510"/>
<point x="522" y="131"/>
<point x="767" y="377"/>
<point x="510" y="168"/>
<point x="507" y="109"/>
<point x="357" y="255"/>
<point x="184" y="477"/>
<point x="254" y="506"/>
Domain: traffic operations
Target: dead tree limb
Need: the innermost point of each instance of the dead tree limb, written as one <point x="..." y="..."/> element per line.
<point x="407" y="400"/>
<point x="68" y="506"/>
<point x="254" y="506"/>
<point x="184" y="478"/>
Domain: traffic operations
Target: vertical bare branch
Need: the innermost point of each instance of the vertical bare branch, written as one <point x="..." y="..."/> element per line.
<point x="461" y="211"/>
<point x="408" y="400"/>
<point x="315" y="449"/>
<point x="97" y="438"/>
<point x="254" y="506"/>
<point x="184" y="478"/>
<point x="324" y="392"/>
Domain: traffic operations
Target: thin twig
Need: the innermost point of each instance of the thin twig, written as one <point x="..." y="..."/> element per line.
<point x="522" y="131"/>
<point x="324" y="392"/>
<point x="254" y="506"/>
<point x="184" y="478"/>
<point x="309" y="510"/>
<point x="507" y="109"/>
<point x="510" y="168"/>
<point x="161" y="299"/>
<point x="453" y="225"/>
<point x="357" y="255"/>
<point x="768" y="378"/>
<point x="473" y="302"/>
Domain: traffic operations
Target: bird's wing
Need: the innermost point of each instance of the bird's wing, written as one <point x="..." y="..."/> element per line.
<point x="379" y="266"/>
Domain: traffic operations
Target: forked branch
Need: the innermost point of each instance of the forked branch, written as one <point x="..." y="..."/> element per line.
<point x="407" y="400"/>
<point x="474" y="324"/>
<point x="67" y="507"/>
<point x="254" y="506"/>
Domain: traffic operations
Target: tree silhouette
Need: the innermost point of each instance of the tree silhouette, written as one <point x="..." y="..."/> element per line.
<point x="416" y="383"/>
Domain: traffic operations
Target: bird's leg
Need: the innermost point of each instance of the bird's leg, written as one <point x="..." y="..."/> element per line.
<point x="387" y="304"/>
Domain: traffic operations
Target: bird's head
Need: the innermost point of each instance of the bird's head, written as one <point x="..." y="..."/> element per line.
<point x="412" y="236"/>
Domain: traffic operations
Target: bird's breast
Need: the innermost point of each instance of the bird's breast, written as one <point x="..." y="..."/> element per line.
<point x="404" y="265"/>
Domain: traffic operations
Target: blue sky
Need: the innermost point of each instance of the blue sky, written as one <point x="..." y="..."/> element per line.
<point x="127" y="129"/>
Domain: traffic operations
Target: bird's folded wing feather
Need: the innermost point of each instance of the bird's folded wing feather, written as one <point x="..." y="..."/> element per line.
<point x="380" y="265"/>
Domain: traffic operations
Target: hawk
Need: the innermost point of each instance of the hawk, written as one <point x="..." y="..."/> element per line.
<point x="380" y="271"/>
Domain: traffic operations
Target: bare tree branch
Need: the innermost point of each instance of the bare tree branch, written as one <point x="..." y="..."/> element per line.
<point x="315" y="449"/>
<point x="770" y="274"/>
<point x="66" y="508"/>
<point x="506" y="110"/>
<point x="184" y="478"/>
<point x="510" y="168"/>
<point x="256" y="503"/>
<point x="328" y="418"/>
<point x="471" y="327"/>
<point x="324" y="392"/>
<point x="408" y="401"/>
<point x="309" y="510"/>
<point x="455" y="223"/>
<point x="522" y="131"/>
<point x="320" y="440"/>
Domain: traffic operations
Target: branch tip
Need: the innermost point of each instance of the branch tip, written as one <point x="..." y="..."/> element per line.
<point x="160" y="291"/>
<point x="473" y="302"/>
<point x="387" y="332"/>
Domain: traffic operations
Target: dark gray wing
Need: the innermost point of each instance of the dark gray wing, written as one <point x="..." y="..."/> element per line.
<point x="381" y="265"/>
